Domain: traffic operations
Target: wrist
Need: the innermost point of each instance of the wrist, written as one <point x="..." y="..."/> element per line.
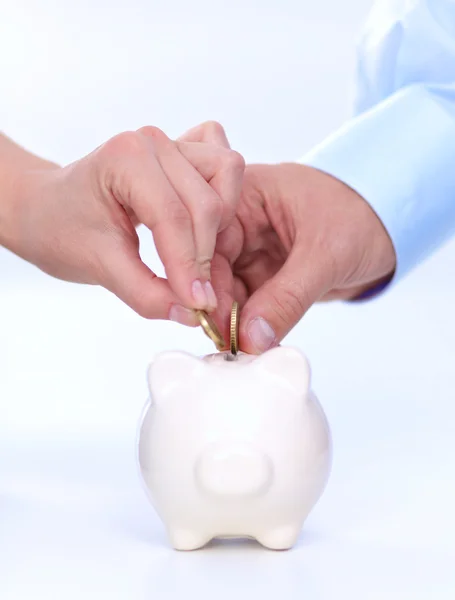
<point x="19" y="172"/>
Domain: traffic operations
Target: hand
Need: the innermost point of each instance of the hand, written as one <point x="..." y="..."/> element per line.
<point x="78" y="222"/>
<point x="299" y="236"/>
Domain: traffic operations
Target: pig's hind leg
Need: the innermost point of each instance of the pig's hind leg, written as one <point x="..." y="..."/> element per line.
<point x="188" y="539"/>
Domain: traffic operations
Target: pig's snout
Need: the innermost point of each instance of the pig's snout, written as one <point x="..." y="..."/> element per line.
<point x="235" y="469"/>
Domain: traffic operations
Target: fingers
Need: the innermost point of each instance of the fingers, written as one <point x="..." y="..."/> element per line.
<point x="223" y="283"/>
<point x="207" y="148"/>
<point x="183" y="192"/>
<point x="209" y="132"/>
<point x="278" y="305"/>
<point x="147" y="174"/>
<point x="202" y="203"/>
<point x="228" y="288"/>
<point x="125" y="275"/>
<point x="135" y="178"/>
<point x="223" y="169"/>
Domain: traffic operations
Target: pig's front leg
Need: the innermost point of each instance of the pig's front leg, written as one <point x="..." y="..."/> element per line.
<point x="280" y="538"/>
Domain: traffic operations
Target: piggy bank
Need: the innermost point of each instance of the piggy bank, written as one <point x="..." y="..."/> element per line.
<point x="233" y="448"/>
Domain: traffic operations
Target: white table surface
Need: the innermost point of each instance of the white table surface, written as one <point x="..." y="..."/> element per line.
<point x="74" y="521"/>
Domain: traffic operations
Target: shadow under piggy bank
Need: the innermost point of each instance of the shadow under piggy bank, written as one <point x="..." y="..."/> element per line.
<point x="223" y="569"/>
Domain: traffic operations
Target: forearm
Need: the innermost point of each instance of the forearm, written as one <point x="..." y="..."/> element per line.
<point x="15" y="162"/>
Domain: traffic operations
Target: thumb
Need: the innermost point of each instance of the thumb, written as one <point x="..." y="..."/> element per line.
<point x="279" y="304"/>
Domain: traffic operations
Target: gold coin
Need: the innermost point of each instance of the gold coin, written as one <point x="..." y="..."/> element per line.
<point x="235" y="328"/>
<point x="210" y="329"/>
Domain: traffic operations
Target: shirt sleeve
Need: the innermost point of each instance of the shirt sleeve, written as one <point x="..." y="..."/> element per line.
<point x="398" y="151"/>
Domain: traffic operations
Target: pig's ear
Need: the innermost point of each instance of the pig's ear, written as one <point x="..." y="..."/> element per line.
<point x="288" y="367"/>
<point x="171" y="372"/>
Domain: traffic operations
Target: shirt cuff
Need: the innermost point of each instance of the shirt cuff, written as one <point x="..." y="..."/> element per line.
<point x="400" y="157"/>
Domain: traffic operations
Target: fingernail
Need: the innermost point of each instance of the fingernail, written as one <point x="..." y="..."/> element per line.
<point x="182" y="315"/>
<point x="261" y="334"/>
<point x="210" y="295"/>
<point x="199" y="295"/>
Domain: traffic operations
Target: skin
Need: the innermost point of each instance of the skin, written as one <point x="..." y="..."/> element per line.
<point x="78" y="223"/>
<point x="299" y="237"/>
<point x="277" y="238"/>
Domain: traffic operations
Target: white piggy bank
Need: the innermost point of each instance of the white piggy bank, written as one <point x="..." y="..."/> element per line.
<point x="233" y="448"/>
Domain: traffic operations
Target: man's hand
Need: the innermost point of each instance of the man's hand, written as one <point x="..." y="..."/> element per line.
<point x="78" y="222"/>
<point x="299" y="236"/>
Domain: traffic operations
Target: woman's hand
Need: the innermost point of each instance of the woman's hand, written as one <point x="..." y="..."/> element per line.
<point x="78" y="222"/>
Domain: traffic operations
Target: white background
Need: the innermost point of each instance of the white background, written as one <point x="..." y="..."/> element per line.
<point x="74" y="522"/>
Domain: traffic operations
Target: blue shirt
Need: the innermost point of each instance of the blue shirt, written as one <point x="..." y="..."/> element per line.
<point x="398" y="151"/>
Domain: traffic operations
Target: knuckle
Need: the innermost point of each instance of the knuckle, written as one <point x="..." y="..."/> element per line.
<point x="213" y="128"/>
<point x="153" y="132"/>
<point x="186" y="260"/>
<point x="289" y="305"/>
<point x="234" y="161"/>
<point x="125" y="143"/>
<point x="205" y="264"/>
<point x="204" y="261"/>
